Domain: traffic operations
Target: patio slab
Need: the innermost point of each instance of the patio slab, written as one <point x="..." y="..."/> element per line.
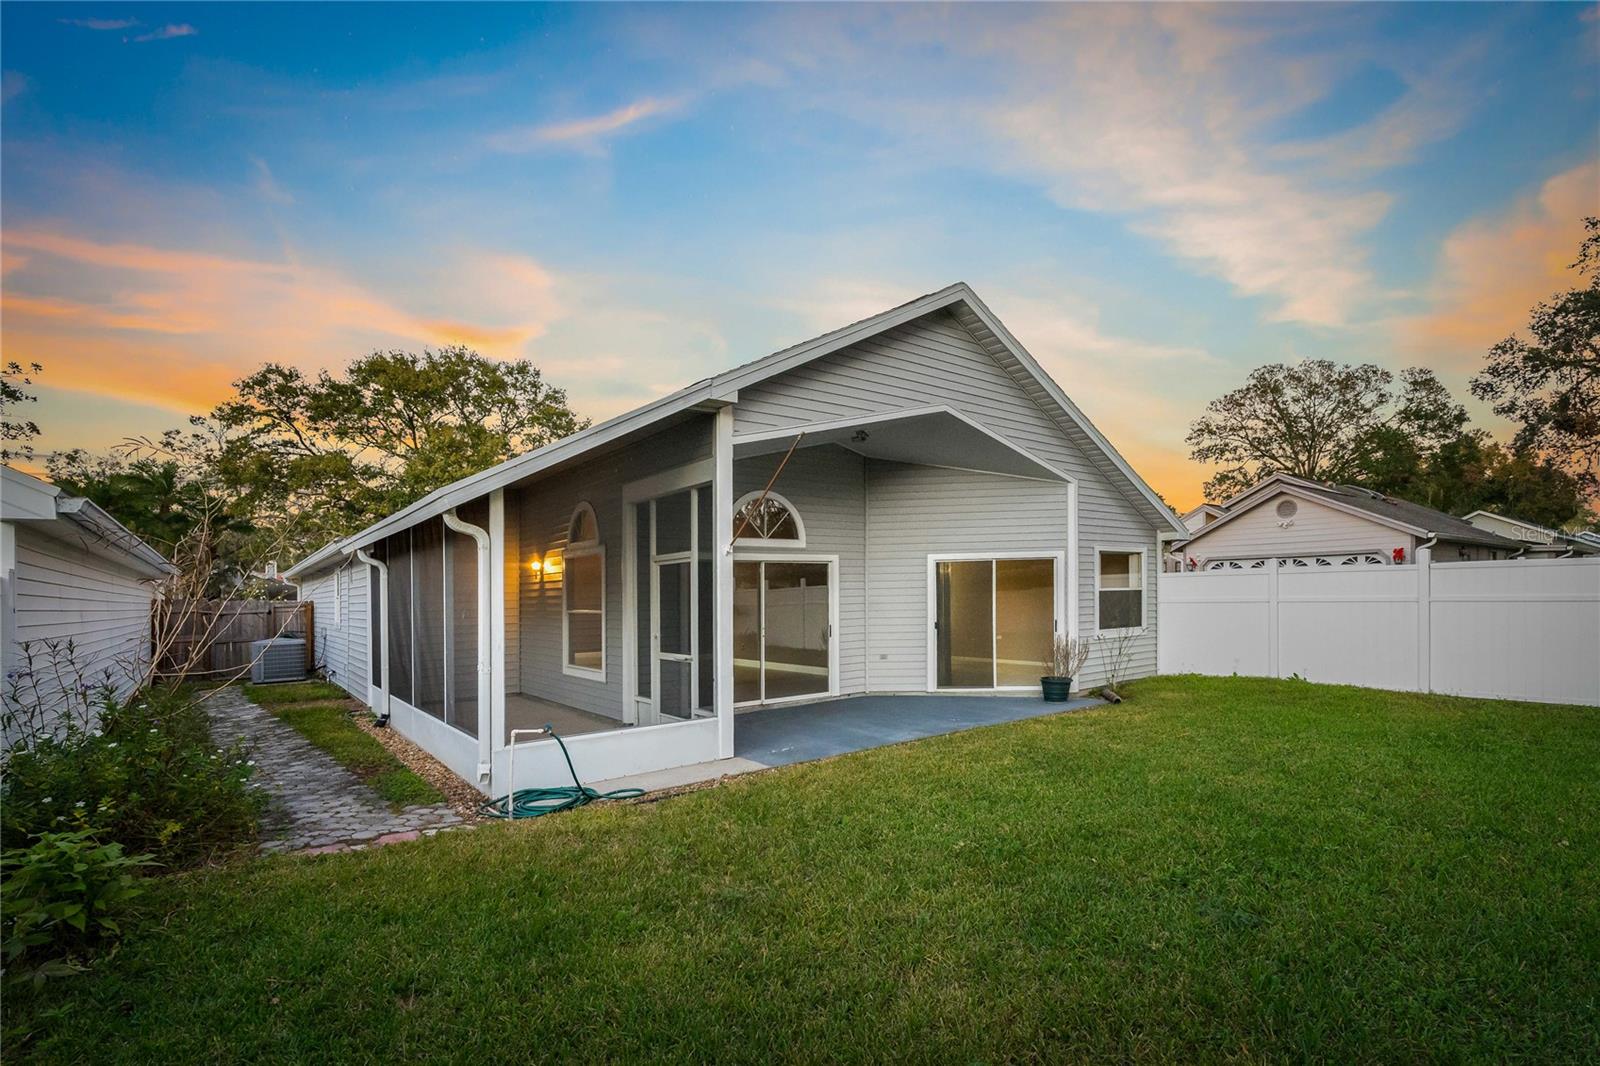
<point x="781" y="736"/>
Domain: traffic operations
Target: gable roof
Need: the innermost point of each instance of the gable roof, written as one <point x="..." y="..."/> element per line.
<point x="1389" y="511"/>
<point x="723" y="388"/>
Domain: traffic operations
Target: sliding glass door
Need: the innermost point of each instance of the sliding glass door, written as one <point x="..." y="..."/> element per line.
<point x="994" y="621"/>
<point x="782" y="630"/>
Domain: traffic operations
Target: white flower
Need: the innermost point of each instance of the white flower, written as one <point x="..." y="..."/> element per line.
<point x="47" y="799"/>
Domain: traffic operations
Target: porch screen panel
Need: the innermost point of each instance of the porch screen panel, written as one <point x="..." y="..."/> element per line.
<point x="707" y="596"/>
<point x="461" y="694"/>
<point x="1024" y="618"/>
<point x="641" y="587"/>
<point x="965" y="617"/>
<point x="428" y="616"/>
<point x="398" y="612"/>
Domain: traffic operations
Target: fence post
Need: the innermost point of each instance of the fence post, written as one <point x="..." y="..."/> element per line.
<point x="1272" y="618"/>
<point x="1423" y="561"/>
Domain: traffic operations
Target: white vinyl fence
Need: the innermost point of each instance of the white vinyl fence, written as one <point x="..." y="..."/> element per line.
<point x="1520" y="629"/>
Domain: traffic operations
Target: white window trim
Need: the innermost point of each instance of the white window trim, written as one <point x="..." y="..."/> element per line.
<point x="763" y="542"/>
<point x="580" y="550"/>
<point x="1059" y="599"/>
<point x="1144" y="587"/>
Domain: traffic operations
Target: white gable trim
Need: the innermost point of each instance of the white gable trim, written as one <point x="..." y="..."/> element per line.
<point x="723" y="389"/>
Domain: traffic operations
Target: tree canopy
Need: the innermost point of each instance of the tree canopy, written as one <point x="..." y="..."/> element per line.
<point x="1319" y="420"/>
<point x="323" y="456"/>
<point x="1551" y="383"/>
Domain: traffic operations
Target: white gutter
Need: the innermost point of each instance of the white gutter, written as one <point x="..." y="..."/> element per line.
<point x="383" y="613"/>
<point x="485" y="640"/>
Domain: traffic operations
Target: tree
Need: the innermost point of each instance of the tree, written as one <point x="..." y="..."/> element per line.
<point x="1551" y="384"/>
<point x="321" y="457"/>
<point x="16" y="432"/>
<point x="1320" y="420"/>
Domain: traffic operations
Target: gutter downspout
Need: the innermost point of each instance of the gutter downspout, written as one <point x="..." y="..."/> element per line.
<point x="383" y="613"/>
<point x="485" y="639"/>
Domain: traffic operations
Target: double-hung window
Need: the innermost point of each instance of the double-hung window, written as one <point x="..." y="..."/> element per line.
<point x="1119" y="589"/>
<point x="583" y="592"/>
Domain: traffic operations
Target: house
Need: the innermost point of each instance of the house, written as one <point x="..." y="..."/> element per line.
<point x="1309" y="523"/>
<point x="69" y="572"/>
<point x="1538" y="541"/>
<point x="908" y="504"/>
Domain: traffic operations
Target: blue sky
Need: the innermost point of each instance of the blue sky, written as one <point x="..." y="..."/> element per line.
<point x="1155" y="199"/>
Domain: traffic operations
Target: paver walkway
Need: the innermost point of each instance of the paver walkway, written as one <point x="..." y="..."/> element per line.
<point x="316" y="804"/>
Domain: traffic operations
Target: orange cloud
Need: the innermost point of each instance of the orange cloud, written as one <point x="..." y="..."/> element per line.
<point x="1493" y="270"/>
<point x="205" y="320"/>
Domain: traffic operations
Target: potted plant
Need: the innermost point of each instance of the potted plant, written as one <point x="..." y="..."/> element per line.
<point x="1067" y="656"/>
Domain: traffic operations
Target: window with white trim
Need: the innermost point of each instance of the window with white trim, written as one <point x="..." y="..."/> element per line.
<point x="768" y="521"/>
<point x="583" y="597"/>
<point x="1119" y="590"/>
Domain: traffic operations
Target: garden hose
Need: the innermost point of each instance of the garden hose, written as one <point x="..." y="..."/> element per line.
<point x="533" y="802"/>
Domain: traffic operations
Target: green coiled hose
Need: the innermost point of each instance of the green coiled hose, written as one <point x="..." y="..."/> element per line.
<point x="533" y="802"/>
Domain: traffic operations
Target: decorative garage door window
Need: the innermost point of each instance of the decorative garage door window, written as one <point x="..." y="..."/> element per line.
<point x="1302" y="562"/>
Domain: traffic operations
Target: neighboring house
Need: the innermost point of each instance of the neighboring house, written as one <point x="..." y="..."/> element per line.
<point x="914" y="507"/>
<point x="1537" y="540"/>
<point x="1309" y="523"/>
<point x="1194" y="522"/>
<point x="70" y="573"/>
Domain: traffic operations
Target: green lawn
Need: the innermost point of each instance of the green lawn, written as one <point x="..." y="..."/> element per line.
<point x="1216" y="869"/>
<point x="308" y="707"/>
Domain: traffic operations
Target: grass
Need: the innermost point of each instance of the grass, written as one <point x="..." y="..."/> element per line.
<point x="1218" y="869"/>
<point x="307" y="706"/>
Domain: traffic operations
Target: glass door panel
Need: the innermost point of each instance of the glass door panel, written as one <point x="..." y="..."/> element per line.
<point x="795" y="644"/>
<point x="746" y="632"/>
<point x="1024" y="619"/>
<point x="965" y="621"/>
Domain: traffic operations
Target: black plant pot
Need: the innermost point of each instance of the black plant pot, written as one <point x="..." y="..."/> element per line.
<point x="1056" y="689"/>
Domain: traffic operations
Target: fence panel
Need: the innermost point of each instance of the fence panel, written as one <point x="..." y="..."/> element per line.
<point x="212" y="638"/>
<point x="1519" y="629"/>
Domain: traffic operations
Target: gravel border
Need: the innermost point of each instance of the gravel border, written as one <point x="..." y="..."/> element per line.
<point x="461" y="796"/>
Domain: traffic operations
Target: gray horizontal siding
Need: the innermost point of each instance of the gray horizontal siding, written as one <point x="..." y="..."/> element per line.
<point x="542" y="512"/>
<point x="339" y="617"/>
<point x="917" y="511"/>
<point x="827" y="486"/>
<point x="935" y="360"/>
<point x="61" y="593"/>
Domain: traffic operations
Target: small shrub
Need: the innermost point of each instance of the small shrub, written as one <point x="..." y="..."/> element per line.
<point x="60" y="898"/>
<point x="148" y="778"/>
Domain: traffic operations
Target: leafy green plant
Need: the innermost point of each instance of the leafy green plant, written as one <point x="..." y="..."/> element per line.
<point x="61" y="897"/>
<point x="147" y="776"/>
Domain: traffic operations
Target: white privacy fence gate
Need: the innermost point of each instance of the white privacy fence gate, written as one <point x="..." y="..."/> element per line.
<point x="1520" y="629"/>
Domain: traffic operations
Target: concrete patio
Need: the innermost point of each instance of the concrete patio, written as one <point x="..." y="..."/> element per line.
<point x="781" y="736"/>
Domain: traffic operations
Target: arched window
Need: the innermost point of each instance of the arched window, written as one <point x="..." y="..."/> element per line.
<point x="583" y="598"/>
<point x="770" y="521"/>
<point x="583" y="531"/>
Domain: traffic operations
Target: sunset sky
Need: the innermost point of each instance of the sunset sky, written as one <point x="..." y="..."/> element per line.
<point x="1155" y="200"/>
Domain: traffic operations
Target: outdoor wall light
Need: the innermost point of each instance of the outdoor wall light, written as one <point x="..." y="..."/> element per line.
<point x="535" y="565"/>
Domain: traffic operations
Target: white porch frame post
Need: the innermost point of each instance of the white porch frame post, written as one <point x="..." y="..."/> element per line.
<point x="722" y="542"/>
<point x="497" y="628"/>
<point x="480" y="537"/>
